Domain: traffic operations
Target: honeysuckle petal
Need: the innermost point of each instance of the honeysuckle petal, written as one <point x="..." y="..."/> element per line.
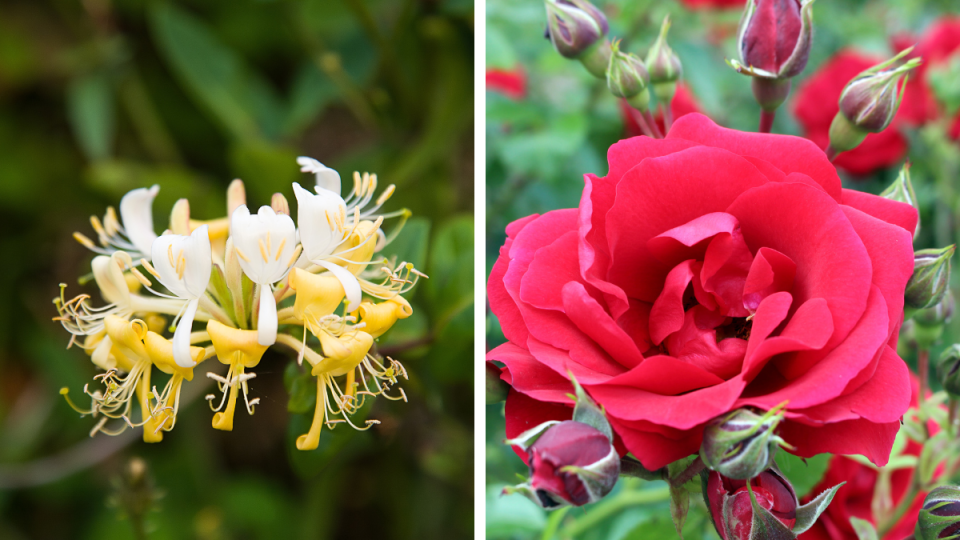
<point x="327" y="178"/>
<point x="265" y="242"/>
<point x="183" y="262"/>
<point x="320" y="218"/>
<point x="181" y="337"/>
<point x="136" y="212"/>
<point x="351" y="286"/>
<point x="267" y="321"/>
<point x="109" y="277"/>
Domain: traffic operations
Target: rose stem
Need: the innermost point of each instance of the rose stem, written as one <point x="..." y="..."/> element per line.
<point x="692" y="470"/>
<point x="766" y="120"/>
<point x="641" y="122"/>
<point x="923" y="366"/>
<point x="608" y="507"/>
<point x="832" y="153"/>
<point x="653" y="124"/>
<point x="667" y="117"/>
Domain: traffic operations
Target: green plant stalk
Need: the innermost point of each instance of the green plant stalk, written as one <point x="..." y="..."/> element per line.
<point x="613" y="505"/>
<point x="553" y="523"/>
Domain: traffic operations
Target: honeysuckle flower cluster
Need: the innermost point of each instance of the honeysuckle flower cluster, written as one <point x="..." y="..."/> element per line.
<point x="231" y="288"/>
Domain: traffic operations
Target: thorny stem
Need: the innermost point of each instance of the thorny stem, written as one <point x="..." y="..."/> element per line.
<point x="692" y="470"/>
<point x="766" y="120"/>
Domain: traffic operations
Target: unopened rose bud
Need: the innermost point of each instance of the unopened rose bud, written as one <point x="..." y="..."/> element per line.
<point x="571" y="29"/>
<point x="948" y="369"/>
<point x="773" y="513"/>
<point x="571" y="463"/>
<point x="940" y="516"/>
<point x="741" y="444"/>
<point x="496" y="387"/>
<point x="930" y="279"/>
<point x="664" y="66"/>
<point x="869" y="102"/>
<point x="928" y="323"/>
<point x="901" y="190"/>
<point x="627" y="78"/>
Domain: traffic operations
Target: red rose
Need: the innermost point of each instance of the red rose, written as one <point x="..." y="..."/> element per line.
<point x="712" y="4"/>
<point x="643" y="293"/>
<point x="511" y="83"/>
<point x="939" y="43"/>
<point x="571" y="444"/>
<point x="817" y="103"/>
<point x="683" y="103"/>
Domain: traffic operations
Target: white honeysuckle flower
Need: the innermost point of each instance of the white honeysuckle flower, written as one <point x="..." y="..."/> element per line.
<point x="132" y="233"/>
<point x="322" y="220"/>
<point x="183" y="265"/>
<point x="327" y="178"/>
<point x="266" y="245"/>
<point x="136" y="213"/>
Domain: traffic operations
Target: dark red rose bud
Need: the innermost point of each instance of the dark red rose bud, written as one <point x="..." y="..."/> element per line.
<point x="774" y="38"/>
<point x="940" y="516"/>
<point x="773" y="512"/>
<point x="869" y="102"/>
<point x="571" y="29"/>
<point x="571" y="463"/>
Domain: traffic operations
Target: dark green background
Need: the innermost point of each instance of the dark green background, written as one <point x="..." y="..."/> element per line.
<point x="98" y="97"/>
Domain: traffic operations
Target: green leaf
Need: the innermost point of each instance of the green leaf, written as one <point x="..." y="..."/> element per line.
<point x="510" y="515"/>
<point x="312" y="92"/>
<point x="803" y="474"/>
<point x="864" y="529"/>
<point x="807" y="514"/>
<point x="586" y="411"/>
<point x="450" y="287"/>
<point x="265" y="169"/>
<point x="90" y="108"/>
<point x="211" y="72"/>
<point x="301" y="387"/>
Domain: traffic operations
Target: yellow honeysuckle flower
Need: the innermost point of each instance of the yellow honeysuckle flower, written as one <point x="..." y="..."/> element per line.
<point x="317" y="296"/>
<point x="239" y="349"/>
<point x="160" y="351"/>
<point x="378" y="318"/>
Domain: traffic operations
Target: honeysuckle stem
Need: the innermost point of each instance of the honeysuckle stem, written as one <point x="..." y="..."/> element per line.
<point x="216" y="311"/>
<point x="766" y="120"/>
<point x="610" y="506"/>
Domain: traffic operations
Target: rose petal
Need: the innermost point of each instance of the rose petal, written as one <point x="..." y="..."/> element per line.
<point x="528" y="375"/>
<point x="667" y="314"/>
<point x="771" y="272"/>
<point x="590" y="318"/>
<point x="666" y="376"/>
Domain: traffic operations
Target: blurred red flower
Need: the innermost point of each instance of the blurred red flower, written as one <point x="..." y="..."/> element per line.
<point x="511" y="83"/>
<point x="938" y="45"/>
<point x="713" y="4"/>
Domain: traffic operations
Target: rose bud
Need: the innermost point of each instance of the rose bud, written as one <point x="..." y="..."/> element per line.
<point x="775" y="512"/>
<point x="948" y="369"/>
<point x="901" y="190"/>
<point x="741" y="444"/>
<point x="664" y="67"/>
<point x="577" y="29"/>
<point x="774" y="44"/>
<point x="627" y="78"/>
<point x="571" y="463"/>
<point x="869" y="102"/>
<point x="928" y="323"/>
<point x="930" y="279"/>
<point x="940" y="515"/>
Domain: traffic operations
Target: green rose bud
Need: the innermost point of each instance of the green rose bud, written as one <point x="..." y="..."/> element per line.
<point x="940" y="516"/>
<point x="664" y="66"/>
<point x="931" y="277"/>
<point x="901" y="190"/>
<point x="948" y="369"/>
<point x="627" y="78"/>
<point x="741" y="444"/>
<point x="497" y="388"/>
<point x="869" y="102"/>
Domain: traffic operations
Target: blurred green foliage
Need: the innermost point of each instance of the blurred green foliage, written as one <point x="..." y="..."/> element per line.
<point x="539" y="147"/>
<point x="101" y="96"/>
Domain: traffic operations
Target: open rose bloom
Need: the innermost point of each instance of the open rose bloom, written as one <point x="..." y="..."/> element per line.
<point x="707" y="271"/>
